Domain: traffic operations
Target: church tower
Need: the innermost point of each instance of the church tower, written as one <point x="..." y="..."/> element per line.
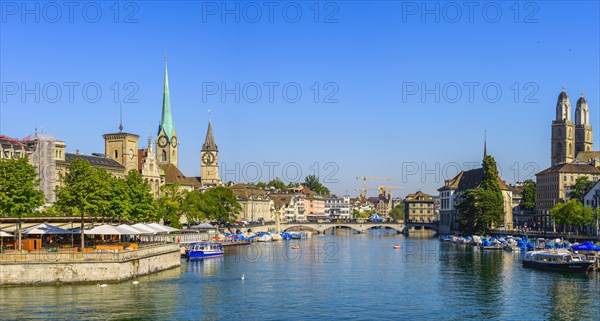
<point x="122" y="148"/>
<point x="209" y="156"/>
<point x="166" y="142"/>
<point x="583" y="130"/>
<point x="563" y="132"/>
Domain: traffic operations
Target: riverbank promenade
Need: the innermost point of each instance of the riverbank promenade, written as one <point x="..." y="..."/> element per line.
<point x="46" y="266"/>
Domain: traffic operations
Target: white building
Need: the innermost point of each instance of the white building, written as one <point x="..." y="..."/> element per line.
<point x="338" y="207"/>
<point x="592" y="199"/>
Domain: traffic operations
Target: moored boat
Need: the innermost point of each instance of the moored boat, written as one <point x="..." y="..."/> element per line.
<point x="557" y="260"/>
<point x="203" y="250"/>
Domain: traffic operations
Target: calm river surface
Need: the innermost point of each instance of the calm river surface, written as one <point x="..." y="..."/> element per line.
<point x="348" y="277"/>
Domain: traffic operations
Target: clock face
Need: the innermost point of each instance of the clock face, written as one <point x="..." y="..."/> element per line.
<point x="208" y="158"/>
<point x="174" y="141"/>
<point x="162" y="141"/>
<point x="131" y="153"/>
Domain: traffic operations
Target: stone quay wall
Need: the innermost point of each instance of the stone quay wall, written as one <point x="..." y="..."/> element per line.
<point x="61" y="268"/>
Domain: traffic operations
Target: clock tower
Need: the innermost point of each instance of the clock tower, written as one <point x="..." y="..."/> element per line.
<point x="167" y="145"/>
<point x="209" y="159"/>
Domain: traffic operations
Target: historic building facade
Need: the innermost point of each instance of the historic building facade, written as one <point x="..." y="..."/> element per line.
<point x="571" y="157"/>
<point x="419" y="208"/>
<point x="338" y="207"/>
<point x="255" y="202"/>
<point x="553" y="187"/>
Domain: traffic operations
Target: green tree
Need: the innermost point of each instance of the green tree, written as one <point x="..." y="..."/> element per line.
<point x="397" y="212"/>
<point x="193" y="207"/>
<point x="582" y="186"/>
<point x="312" y="183"/>
<point x="478" y="211"/>
<point x="171" y="204"/>
<point x="85" y="192"/>
<point x="528" y="201"/>
<point x="142" y="205"/>
<point x="19" y="195"/>
<point x="572" y="213"/>
<point x="220" y="204"/>
<point x="482" y="208"/>
<point x="277" y="184"/>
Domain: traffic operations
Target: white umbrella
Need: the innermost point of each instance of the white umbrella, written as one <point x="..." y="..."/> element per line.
<point x="162" y="227"/>
<point x="132" y="230"/>
<point x="106" y="230"/>
<point x="3" y="234"/>
<point x="44" y="229"/>
<point x="203" y="226"/>
<point x="144" y="228"/>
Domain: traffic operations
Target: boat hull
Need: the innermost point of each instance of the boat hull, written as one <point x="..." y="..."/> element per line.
<point x="562" y="267"/>
<point x="200" y="255"/>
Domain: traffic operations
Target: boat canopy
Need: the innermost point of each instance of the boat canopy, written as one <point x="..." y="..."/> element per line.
<point x="587" y="246"/>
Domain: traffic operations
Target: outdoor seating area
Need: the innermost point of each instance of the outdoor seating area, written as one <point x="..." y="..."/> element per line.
<point x="46" y="238"/>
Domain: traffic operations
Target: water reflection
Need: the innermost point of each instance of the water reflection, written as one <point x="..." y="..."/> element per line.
<point x="362" y="276"/>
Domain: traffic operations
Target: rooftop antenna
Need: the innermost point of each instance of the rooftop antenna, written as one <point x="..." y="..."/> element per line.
<point x="209" y="119"/>
<point x="120" y="117"/>
<point x="563" y="87"/>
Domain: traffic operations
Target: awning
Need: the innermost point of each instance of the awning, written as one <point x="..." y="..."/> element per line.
<point x="43" y="229"/>
<point x="132" y="230"/>
<point x="161" y="227"/>
<point x="5" y="234"/>
<point x="106" y="230"/>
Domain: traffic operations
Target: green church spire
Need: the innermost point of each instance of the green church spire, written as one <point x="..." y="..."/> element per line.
<point x="166" y="121"/>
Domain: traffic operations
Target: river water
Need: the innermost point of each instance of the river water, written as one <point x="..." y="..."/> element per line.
<point x="331" y="277"/>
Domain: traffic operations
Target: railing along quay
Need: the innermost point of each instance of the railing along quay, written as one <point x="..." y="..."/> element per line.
<point x="44" y="256"/>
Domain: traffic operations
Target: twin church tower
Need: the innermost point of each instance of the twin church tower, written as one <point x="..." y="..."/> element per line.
<point x="568" y="138"/>
<point x="167" y="144"/>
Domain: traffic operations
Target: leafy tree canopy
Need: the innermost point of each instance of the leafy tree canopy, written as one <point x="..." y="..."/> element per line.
<point x="312" y="183"/>
<point x="582" y="186"/>
<point x="19" y="195"/>
<point x="528" y="200"/>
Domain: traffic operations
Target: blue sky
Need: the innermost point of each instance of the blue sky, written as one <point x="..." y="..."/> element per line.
<point x="370" y="60"/>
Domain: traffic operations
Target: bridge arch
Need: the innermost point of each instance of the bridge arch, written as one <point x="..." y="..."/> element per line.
<point x="352" y="227"/>
<point x="304" y="227"/>
<point x="422" y="226"/>
<point x="386" y="226"/>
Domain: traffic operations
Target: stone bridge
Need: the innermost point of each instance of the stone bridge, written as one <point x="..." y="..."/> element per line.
<point x="321" y="228"/>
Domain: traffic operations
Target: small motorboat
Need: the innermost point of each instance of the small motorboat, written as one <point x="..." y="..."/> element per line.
<point x="204" y="250"/>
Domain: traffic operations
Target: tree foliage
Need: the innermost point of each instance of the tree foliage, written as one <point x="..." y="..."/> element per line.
<point x="215" y="204"/>
<point x="528" y="201"/>
<point x="482" y="208"/>
<point x="397" y="212"/>
<point x="85" y="192"/>
<point x="312" y="183"/>
<point x="478" y="211"/>
<point x="220" y="204"/>
<point x="171" y="204"/>
<point x="277" y="183"/>
<point x="582" y="185"/>
<point x="19" y="195"/>
<point x="572" y="213"/>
